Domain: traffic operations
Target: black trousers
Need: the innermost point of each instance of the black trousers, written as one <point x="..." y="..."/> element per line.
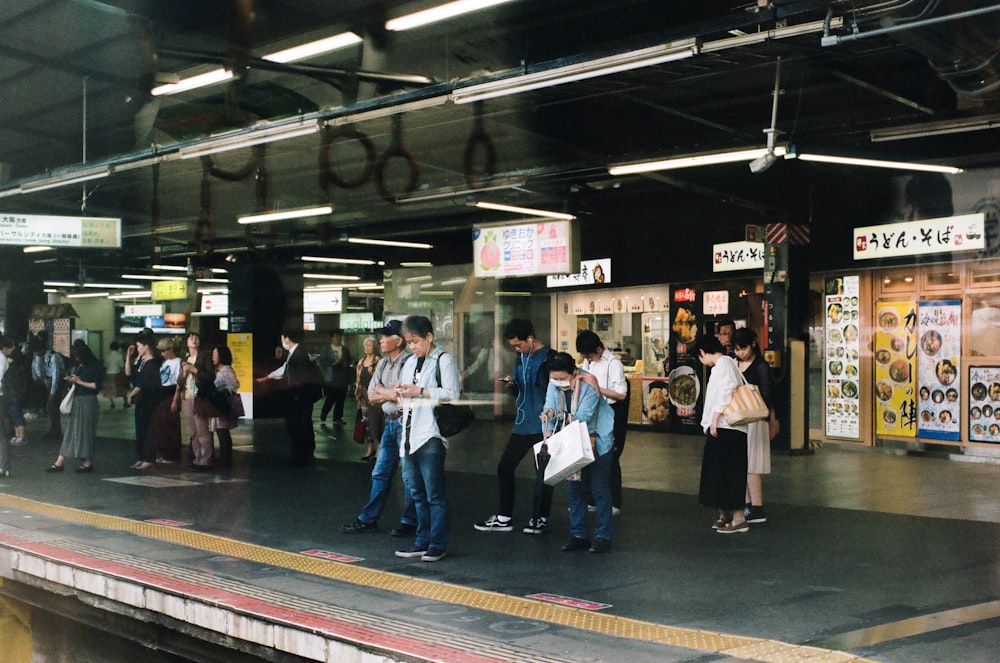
<point x="335" y="398"/>
<point x="298" y="421"/>
<point x="517" y="447"/>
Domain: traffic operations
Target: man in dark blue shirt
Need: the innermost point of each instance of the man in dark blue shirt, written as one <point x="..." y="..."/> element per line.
<point x="528" y="385"/>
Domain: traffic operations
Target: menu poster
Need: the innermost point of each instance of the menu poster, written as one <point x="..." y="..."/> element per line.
<point x="939" y="333"/>
<point x="896" y="368"/>
<point x="984" y="404"/>
<point x="843" y="352"/>
<point x="684" y="383"/>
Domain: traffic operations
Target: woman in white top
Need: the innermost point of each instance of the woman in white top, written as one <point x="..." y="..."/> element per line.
<point x="724" y="462"/>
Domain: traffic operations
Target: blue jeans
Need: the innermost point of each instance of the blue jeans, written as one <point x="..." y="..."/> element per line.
<point x="385" y="467"/>
<point x="423" y="472"/>
<point x="596" y="478"/>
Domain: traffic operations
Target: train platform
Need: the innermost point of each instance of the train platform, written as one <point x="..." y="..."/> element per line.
<point x="865" y="556"/>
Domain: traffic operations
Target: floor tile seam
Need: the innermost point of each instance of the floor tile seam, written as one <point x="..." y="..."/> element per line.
<point x="469" y="597"/>
<point x="357" y="628"/>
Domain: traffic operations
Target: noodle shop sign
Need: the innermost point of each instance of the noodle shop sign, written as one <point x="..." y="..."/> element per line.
<point x="944" y="235"/>
<point x="734" y="256"/>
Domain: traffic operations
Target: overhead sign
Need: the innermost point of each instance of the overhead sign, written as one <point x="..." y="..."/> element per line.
<point x="217" y="304"/>
<point x="526" y="249"/>
<point x="322" y="301"/>
<point x="75" y="231"/>
<point x="168" y="290"/>
<point x="143" y="310"/>
<point x="734" y="256"/>
<point x="910" y="238"/>
<point x="592" y="272"/>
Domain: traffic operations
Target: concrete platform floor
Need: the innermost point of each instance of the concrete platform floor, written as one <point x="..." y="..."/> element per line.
<point x="881" y="556"/>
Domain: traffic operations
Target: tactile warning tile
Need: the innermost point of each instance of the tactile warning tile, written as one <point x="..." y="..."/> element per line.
<point x="754" y="649"/>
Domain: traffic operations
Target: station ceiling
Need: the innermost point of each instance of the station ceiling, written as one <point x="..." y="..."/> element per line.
<point x="399" y="154"/>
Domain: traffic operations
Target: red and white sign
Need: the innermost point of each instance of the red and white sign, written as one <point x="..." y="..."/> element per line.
<point x="685" y="295"/>
<point x="570" y="601"/>
<point x="332" y="556"/>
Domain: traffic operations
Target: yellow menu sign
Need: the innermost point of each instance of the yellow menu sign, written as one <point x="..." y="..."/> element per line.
<point x="896" y="368"/>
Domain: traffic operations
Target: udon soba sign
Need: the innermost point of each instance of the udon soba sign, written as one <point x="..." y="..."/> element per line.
<point x="911" y="238"/>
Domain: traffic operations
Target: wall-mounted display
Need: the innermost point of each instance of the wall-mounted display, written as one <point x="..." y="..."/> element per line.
<point x="842" y="357"/>
<point x="984" y="404"/>
<point x="939" y="334"/>
<point x="895" y="354"/>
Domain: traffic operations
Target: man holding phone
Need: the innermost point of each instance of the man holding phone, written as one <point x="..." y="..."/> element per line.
<point x="528" y="385"/>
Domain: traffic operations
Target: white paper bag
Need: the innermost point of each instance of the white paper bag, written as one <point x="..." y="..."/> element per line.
<point x="569" y="451"/>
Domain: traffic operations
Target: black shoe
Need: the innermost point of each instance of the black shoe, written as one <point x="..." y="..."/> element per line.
<point x="359" y="527"/>
<point x="55" y="468"/>
<point x="600" y="546"/>
<point x="85" y="469"/>
<point x="403" y="529"/>
<point x="576" y="544"/>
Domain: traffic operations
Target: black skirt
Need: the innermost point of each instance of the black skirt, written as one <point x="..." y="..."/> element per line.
<point x="724" y="471"/>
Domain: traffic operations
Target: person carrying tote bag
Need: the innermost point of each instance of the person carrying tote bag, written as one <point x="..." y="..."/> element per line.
<point x="756" y="371"/>
<point x="585" y="405"/>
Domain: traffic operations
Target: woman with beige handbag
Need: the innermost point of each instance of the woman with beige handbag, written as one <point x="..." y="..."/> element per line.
<point x="757" y="372"/>
<point x="724" y="462"/>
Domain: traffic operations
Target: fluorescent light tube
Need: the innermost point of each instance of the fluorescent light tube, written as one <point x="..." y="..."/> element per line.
<point x="287" y="214"/>
<point x="389" y="242"/>
<point x="332" y="277"/>
<point x="878" y="163"/>
<point x="691" y="161"/>
<point x="73" y="177"/>
<point x="386" y="111"/>
<point x="36" y="249"/>
<point x="113" y="286"/>
<point x="645" y="57"/>
<point x="527" y="211"/>
<point x="313" y="48"/>
<point x="138" y="294"/>
<point x="456" y="191"/>
<point x="339" y="261"/>
<point x="170" y="268"/>
<point x="935" y="128"/>
<point x="82" y="295"/>
<point x="439" y="13"/>
<point x="246" y="138"/>
<point x="192" y="83"/>
<point x="148" y="277"/>
<point x="836" y="23"/>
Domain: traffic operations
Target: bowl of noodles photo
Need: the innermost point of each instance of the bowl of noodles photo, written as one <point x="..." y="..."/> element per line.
<point x="684" y="387"/>
<point x="888" y="321"/>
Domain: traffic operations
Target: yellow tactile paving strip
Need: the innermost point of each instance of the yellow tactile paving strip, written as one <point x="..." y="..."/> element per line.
<point x="739" y="647"/>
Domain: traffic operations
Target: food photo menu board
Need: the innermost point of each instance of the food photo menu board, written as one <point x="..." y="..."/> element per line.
<point x="896" y="368"/>
<point x="984" y="404"/>
<point x="843" y="352"/>
<point x="939" y="333"/>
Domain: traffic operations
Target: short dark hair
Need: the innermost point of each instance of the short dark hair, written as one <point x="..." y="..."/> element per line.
<point x="294" y="335"/>
<point x="336" y="331"/>
<point x="6" y="342"/>
<point x="562" y="361"/>
<point x="744" y="337"/>
<point x="225" y="355"/>
<point x="519" y="328"/>
<point x="587" y="342"/>
<point x="725" y="322"/>
<point x="709" y="344"/>
<point x="419" y="325"/>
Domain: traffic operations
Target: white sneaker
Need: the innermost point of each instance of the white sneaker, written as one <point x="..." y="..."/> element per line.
<point x="615" y="511"/>
<point x="536" y="527"/>
<point x="495" y="524"/>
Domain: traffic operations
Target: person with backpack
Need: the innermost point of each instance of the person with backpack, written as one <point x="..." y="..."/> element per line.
<point x="527" y="384"/>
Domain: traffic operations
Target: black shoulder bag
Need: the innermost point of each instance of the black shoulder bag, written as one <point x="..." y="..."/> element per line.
<point x="451" y="419"/>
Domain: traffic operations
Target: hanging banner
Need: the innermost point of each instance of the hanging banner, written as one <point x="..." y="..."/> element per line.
<point x="984" y="404"/>
<point x="843" y="349"/>
<point x="939" y="329"/>
<point x="896" y="368"/>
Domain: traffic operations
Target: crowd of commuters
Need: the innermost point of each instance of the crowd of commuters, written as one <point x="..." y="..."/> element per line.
<point x="397" y="388"/>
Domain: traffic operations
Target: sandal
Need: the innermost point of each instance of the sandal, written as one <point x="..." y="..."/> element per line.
<point x="55" y="468"/>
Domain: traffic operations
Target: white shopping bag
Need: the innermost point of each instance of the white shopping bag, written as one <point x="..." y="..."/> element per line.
<point x="569" y="451"/>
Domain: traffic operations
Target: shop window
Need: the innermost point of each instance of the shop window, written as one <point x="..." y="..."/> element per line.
<point x="985" y="274"/>
<point x="984" y="337"/>
<point x="945" y="277"/>
<point x="897" y="281"/>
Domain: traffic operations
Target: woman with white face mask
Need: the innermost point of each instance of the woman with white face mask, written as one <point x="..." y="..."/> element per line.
<point x="570" y="398"/>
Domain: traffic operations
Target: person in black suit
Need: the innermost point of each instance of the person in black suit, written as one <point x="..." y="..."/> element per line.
<point x="301" y="389"/>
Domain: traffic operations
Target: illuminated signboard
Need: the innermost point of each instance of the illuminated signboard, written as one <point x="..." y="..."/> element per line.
<point x="75" y="231"/>
<point x="591" y="272"/>
<point x="168" y="290"/>
<point x="910" y="238"/>
<point x="734" y="256"/>
<point x="529" y="249"/>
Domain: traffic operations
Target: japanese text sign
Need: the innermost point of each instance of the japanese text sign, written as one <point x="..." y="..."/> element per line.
<point x="910" y="238"/>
